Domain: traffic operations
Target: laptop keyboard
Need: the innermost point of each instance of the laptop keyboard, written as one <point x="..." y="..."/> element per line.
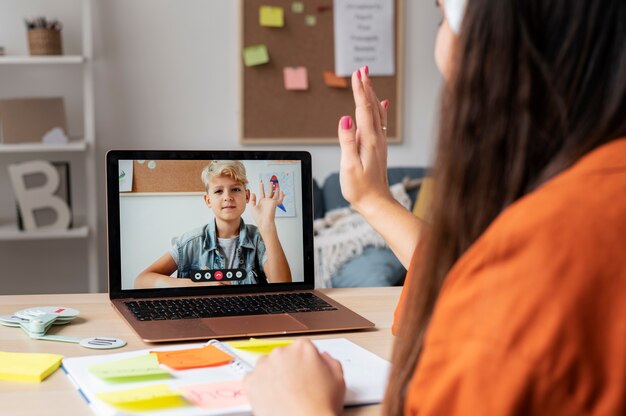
<point x="212" y="307"/>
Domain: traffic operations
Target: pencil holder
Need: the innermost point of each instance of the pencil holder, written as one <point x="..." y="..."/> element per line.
<point x="44" y="42"/>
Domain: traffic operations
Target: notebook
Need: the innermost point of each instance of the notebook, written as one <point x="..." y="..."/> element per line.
<point x="215" y="244"/>
<point x="207" y="390"/>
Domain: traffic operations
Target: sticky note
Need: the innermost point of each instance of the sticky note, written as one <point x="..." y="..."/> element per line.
<point x="22" y="366"/>
<point x="255" y="55"/>
<point x="296" y="78"/>
<point x="259" y="346"/>
<point x="141" y="399"/>
<point x="310" y="20"/>
<point x="271" y="16"/>
<point x="220" y="395"/>
<point x="334" y="81"/>
<point x="142" y="368"/>
<point x="297" y="7"/>
<point x="206" y="356"/>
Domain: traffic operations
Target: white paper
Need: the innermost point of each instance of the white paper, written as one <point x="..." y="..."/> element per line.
<point x="364" y="35"/>
<point x="126" y="175"/>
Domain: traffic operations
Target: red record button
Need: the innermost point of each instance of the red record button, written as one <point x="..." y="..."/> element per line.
<point x="218" y="275"/>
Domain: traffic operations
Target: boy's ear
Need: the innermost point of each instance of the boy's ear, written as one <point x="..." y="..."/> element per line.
<point x="207" y="200"/>
<point x="247" y="195"/>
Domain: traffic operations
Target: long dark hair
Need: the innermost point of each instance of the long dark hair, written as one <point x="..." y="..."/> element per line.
<point x="537" y="84"/>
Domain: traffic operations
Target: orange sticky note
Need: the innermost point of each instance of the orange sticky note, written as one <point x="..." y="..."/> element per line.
<point x="221" y="395"/>
<point x="207" y="356"/>
<point x="296" y="78"/>
<point x="334" y="81"/>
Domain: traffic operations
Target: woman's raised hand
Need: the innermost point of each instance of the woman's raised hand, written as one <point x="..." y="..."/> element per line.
<point x="363" y="170"/>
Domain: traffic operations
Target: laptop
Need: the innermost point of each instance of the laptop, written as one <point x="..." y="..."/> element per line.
<point x="215" y="244"/>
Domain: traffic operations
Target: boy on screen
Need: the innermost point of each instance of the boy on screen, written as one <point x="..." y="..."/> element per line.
<point x="226" y="242"/>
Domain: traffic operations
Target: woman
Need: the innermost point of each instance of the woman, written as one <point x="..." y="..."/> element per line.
<point x="516" y="294"/>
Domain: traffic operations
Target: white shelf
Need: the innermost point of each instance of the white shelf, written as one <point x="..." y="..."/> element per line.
<point x="74" y="146"/>
<point x="10" y="232"/>
<point x="41" y="60"/>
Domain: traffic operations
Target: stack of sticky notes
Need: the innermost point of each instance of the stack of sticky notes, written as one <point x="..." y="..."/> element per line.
<point x="19" y="366"/>
<point x="259" y="346"/>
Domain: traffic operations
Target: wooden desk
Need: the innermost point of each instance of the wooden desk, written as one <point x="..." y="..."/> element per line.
<point x="56" y="395"/>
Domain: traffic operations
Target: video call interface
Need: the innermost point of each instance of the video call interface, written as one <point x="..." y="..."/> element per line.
<point x="193" y="223"/>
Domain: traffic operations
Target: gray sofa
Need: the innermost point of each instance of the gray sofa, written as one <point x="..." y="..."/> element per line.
<point x="375" y="266"/>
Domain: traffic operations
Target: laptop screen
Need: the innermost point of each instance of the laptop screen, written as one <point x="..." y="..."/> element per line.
<point x="208" y="222"/>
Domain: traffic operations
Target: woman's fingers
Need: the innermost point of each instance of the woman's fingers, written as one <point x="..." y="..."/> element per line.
<point x="348" y="142"/>
<point x="368" y="87"/>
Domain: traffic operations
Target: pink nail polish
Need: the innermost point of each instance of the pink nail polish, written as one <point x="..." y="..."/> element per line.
<point x="386" y="104"/>
<point x="358" y="73"/>
<point x="367" y="70"/>
<point x="346" y="122"/>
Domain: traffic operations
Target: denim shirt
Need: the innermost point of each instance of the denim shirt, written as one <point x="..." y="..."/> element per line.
<point x="198" y="250"/>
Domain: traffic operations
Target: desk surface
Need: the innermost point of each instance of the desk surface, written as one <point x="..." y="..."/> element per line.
<point x="56" y="394"/>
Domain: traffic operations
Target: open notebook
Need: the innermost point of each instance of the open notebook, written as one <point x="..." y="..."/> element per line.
<point x="136" y="383"/>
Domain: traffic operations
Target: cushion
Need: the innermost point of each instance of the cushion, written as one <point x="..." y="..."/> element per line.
<point x="376" y="266"/>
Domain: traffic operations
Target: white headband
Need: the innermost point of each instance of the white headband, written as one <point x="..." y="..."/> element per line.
<point x="454" y="13"/>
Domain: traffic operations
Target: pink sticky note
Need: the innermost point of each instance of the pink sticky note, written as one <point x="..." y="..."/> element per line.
<point x="218" y="395"/>
<point x="296" y="78"/>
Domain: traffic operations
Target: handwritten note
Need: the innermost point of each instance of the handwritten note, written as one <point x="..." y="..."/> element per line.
<point x="207" y="356"/>
<point x="364" y="35"/>
<point x="21" y="366"/>
<point x="149" y="398"/>
<point x="296" y="78"/>
<point x="271" y="16"/>
<point x="259" y="346"/>
<point x="142" y="368"/>
<point x="255" y="55"/>
<point x="220" y="395"/>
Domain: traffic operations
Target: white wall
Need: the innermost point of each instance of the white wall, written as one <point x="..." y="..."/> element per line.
<point x="166" y="75"/>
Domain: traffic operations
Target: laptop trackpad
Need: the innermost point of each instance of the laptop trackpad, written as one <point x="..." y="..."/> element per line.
<point x="256" y="324"/>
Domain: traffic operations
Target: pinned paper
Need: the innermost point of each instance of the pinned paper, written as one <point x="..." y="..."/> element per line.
<point x="310" y="20"/>
<point x="21" y="366"/>
<point x="296" y="78"/>
<point x="332" y="80"/>
<point x="221" y="395"/>
<point x="271" y="16"/>
<point x="259" y="346"/>
<point x="149" y="398"/>
<point x="142" y="368"/>
<point x="207" y="356"/>
<point x="297" y="7"/>
<point x="255" y="55"/>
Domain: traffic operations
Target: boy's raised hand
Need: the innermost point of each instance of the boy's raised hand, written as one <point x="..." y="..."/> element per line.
<point x="264" y="210"/>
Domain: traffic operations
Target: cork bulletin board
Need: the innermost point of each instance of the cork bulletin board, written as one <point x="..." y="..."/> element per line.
<point x="168" y="176"/>
<point x="271" y="114"/>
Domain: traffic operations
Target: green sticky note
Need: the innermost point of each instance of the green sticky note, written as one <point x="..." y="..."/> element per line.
<point x="259" y="346"/>
<point x="143" y="399"/>
<point x="255" y="55"/>
<point x="310" y="20"/>
<point x="142" y="368"/>
<point x="297" y="7"/>
<point x="271" y="16"/>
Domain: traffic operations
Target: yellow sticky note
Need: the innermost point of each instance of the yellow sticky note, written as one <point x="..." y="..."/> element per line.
<point x="141" y="399"/>
<point x="142" y="368"/>
<point x="259" y="346"/>
<point x="271" y="16"/>
<point x="22" y="366"/>
<point x="296" y="78"/>
<point x="255" y="55"/>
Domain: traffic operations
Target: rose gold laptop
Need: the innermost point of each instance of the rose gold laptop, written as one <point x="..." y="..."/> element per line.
<point x="187" y="259"/>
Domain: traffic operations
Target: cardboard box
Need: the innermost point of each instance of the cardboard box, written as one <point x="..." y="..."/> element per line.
<point x="27" y="120"/>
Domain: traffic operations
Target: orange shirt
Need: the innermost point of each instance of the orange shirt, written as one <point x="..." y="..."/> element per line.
<point x="532" y="318"/>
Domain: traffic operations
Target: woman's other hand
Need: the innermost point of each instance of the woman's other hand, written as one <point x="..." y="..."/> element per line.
<point x="363" y="170"/>
<point x="296" y="380"/>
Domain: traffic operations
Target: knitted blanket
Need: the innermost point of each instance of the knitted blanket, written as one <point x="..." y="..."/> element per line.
<point x="343" y="234"/>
